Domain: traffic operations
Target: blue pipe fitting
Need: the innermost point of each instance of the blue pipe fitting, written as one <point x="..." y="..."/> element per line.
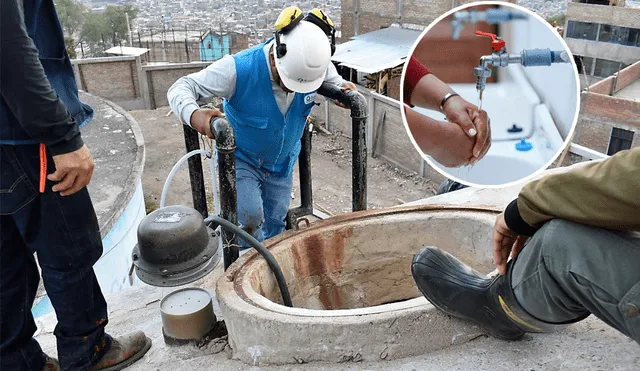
<point x="543" y="57"/>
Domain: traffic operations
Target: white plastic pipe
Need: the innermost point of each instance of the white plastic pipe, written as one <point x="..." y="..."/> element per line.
<point x="175" y="168"/>
<point x="213" y="159"/>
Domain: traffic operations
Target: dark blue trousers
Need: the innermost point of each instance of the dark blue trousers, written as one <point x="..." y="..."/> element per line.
<point x="64" y="234"/>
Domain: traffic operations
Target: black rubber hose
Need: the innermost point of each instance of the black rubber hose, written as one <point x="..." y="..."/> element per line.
<point x="266" y="254"/>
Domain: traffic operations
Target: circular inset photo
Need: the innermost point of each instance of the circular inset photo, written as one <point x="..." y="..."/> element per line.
<point x="491" y="94"/>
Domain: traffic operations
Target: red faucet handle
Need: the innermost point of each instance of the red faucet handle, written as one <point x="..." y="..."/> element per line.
<point x="496" y="43"/>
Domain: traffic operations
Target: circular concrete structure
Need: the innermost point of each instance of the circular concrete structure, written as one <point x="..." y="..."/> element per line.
<point x="353" y="294"/>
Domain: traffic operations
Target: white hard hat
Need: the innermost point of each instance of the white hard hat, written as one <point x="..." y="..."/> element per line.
<point x="308" y="54"/>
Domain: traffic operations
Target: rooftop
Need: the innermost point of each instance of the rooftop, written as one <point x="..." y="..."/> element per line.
<point x="588" y="345"/>
<point x="631" y="91"/>
<point x="378" y="50"/>
<point x="126" y="50"/>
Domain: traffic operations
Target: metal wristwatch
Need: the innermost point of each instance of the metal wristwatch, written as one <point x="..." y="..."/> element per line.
<point x="446" y="97"/>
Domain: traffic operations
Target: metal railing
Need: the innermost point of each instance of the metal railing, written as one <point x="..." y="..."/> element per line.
<point x="586" y="153"/>
<point x="225" y="150"/>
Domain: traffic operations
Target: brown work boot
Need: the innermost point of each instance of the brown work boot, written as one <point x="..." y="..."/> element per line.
<point x="51" y="364"/>
<point x="125" y="350"/>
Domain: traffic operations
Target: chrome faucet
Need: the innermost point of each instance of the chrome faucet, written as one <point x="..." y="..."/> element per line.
<point x="491" y="16"/>
<point x="500" y="58"/>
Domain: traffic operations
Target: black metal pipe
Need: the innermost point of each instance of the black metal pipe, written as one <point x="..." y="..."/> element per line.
<point x="306" y="189"/>
<point x="266" y="254"/>
<point x="358" y="105"/>
<point x="226" y="147"/>
<point x="198" y="193"/>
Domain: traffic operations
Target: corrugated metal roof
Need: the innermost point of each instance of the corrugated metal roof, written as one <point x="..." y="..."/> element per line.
<point x="126" y="50"/>
<point x="376" y="51"/>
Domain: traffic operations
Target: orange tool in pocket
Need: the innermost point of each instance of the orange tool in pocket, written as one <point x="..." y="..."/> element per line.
<point x="43" y="167"/>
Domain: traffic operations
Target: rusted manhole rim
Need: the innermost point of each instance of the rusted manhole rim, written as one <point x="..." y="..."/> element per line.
<point x="242" y="288"/>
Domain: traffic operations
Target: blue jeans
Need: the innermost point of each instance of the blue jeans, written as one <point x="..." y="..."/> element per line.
<point x="64" y="233"/>
<point x="263" y="201"/>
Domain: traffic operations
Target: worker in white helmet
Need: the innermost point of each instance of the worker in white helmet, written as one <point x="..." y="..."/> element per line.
<point x="268" y="90"/>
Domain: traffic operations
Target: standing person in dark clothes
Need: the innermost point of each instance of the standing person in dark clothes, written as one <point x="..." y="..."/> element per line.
<point x="45" y="207"/>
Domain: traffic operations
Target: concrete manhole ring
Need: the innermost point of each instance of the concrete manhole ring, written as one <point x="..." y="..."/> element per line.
<point x="353" y="294"/>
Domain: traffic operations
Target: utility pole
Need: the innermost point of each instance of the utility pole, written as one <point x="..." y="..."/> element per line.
<point x="221" y="42"/>
<point x="129" y="29"/>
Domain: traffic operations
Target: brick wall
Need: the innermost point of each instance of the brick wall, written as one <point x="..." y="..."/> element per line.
<point x="615" y="83"/>
<point x="346" y="26"/>
<point x="604" y="86"/>
<point x="373" y="23"/>
<point x="382" y="7"/>
<point x="611" y="110"/>
<point x="425" y="11"/>
<point x="627" y="76"/>
<point x="371" y="15"/>
<point x="594" y="134"/>
<point x="115" y="79"/>
<point x="600" y="113"/>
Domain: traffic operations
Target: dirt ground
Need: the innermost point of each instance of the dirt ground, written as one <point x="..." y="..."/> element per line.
<point x="330" y="161"/>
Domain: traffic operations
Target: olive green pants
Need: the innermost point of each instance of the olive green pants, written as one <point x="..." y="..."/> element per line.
<point x="567" y="270"/>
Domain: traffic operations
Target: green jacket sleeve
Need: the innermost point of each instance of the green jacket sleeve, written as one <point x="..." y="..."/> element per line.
<point x="602" y="194"/>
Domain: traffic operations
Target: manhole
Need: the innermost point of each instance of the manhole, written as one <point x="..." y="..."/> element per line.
<point x="351" y="285"/>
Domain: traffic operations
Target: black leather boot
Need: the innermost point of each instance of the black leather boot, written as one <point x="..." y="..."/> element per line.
<point x="460" y="291"/>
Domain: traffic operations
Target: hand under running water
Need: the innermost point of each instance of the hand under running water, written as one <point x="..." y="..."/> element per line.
<point x="483" y="139"/>
<point x="423" y="89"/>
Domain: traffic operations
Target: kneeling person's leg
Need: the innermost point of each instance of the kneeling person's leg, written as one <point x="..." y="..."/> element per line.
<point x="568" y="270"/>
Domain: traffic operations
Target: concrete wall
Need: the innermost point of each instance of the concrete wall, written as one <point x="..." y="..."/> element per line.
<point x="612" y="15"/>
<point x="627" y="76"/>
<point x="596" y="49"/>
<point x="362" y="16"/>
<point x="386" y="135"/>
<point x="161" y="77"/>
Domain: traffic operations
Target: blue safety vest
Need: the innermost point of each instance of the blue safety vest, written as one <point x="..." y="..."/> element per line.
<point x="264" y="137"/>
